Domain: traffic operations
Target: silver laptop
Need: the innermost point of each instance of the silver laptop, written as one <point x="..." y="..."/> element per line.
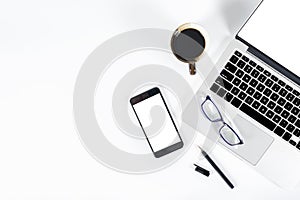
<point x="259" y="79"/>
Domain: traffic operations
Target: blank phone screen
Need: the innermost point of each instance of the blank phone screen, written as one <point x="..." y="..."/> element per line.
<point x="167" y="134"/>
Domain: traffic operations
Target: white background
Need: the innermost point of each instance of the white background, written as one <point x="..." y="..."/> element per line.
<point x="42" y="47"/>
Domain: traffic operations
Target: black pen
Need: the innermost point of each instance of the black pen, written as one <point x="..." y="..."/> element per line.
<point x="216" y="168"/>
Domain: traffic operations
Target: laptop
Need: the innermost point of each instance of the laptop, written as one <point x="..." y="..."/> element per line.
<point x="259" y="79"/>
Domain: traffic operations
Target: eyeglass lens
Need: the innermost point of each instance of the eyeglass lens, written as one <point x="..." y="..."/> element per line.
<point x="229" y="135"/>
<point x="211" y="111"/>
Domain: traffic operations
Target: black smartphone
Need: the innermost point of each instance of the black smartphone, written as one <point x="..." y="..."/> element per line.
<point x="168" y="139"/>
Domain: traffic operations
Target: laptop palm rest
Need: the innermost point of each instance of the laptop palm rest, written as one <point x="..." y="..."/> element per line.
<point x="256" y="141"/>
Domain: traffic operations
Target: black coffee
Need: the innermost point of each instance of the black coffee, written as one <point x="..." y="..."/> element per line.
<point x="188" y="45"/>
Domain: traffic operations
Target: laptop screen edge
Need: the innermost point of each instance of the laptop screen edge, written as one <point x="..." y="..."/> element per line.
<point x="265" y="58"/>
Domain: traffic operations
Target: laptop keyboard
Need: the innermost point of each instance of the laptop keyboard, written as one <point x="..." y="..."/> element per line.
<point x="261" y="95"/>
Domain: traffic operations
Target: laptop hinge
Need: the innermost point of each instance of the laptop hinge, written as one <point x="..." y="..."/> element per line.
<point x="269" y="61"/>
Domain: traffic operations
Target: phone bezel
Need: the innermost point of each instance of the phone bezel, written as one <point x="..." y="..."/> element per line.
<point x="143" y="96"/>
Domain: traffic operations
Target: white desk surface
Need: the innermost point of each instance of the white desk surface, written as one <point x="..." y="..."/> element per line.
<point x="42" y="47"/>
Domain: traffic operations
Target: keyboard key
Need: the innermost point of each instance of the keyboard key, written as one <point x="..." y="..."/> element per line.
<point x="257" y="95"/>
<point x="221" y="92"/>
<point x="263" y="109"/>
<point x="278" y="109"/>
<point x="234" y="59"/>
<point x="248" y="68"/>
<point x="228" y="97"/>
<point x="287" y="136"/>
<point x="224" y="83"/>
<point x="271" y="105"/>
<point x="282" y="92"/>
<point x="250" y="91"/>
<point x="274" y="96"/>
<point x="279" y="131"/>
<point x="246" y="78"/>
<point x="295" y="111"/>
<point x="296" y="93"/>
<point x="267" y="92"/>
<point x="241" y="64"/>
<point x="285" y="114"/>
<point x="230" y="67"/>
<point x="245" y="58"/>
<point x="296" y="102"/>
<point x="288" y="106"/>
<point x="296" y="132"/>
<point x="264" y="100"/>
<point x="236" y="102"/>
<point x="214" y="88"/>
<point x="292" y="142"/>
<point x="255" y="105"/>
<point x="255" y="73"/>
<point x="242" y="95"/>
<point x="283" y="123"/>
<point x="288" y="88"/>
<point x="253" y="83"/>
<point x="257" y="116"/>
<point x="249" y="100"/>
<point x="267" y="73"/>
<point x="297" y="123"/>
<point x="262" y="78"/>
<point x="281" y="101"/>
<point x="238" y="54"/>
<point x="274" y="78"/>
<point x="235" y="91"/>
<point x="292" y="119"/>
<point x="298" y="145"/>
<point x="276" y="87"/>
<point x="276" y="118"/>
<point x="259" y="68"/>
<point x="219" y="80"/>
<point x="243" y="86"/>
<point x="236" y="81"/>
<point x="252" y="63"/>
<point x="269" y="82"/>
<point x="260" y="87"/>
<point x="239" y="73"/>
<point x="270" y="114"/>
<point x="280" y="82"/>
<point x="227" y="75"/>
<point x="290" y="128"/>
<point x="290" y="97"/>
<point x="227" y="85"/>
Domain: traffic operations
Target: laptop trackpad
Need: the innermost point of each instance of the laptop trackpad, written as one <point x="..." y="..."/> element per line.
<point x="256" y="141"/>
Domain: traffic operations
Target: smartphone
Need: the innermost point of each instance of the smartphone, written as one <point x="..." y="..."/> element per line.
<point x="167" y="139"/>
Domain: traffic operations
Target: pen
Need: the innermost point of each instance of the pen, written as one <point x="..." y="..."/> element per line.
<point x="216" y="168"/>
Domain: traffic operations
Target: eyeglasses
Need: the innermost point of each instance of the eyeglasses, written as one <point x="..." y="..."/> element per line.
<point x="213" y="114"/>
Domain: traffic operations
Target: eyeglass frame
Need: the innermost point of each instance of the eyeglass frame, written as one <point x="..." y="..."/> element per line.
<point x="208" y="98"/>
